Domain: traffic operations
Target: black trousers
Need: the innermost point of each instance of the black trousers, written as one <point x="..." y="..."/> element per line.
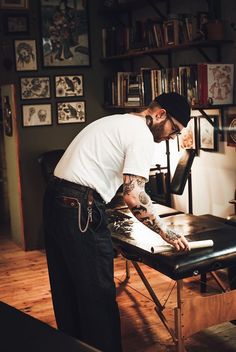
<point x="80" y="268"/>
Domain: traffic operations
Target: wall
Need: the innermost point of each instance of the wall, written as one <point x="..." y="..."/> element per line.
<point x="34" y="141"/>
<point x="211" y="191"/>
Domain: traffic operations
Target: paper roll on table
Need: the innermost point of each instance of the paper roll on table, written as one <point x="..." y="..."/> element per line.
<point x="192" y="245"/>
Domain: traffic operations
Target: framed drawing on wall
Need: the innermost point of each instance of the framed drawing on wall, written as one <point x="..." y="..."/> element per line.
<point x="35" y="87"/>
<point x="17" y="23"/>
<point x="188" y="138"/>
<point x="71" y="112"/>
<point x="13" y="4"/>
<point x="231" y="130"/>
<point x="65" y="37"/>
<point x="69" y="86"/>
<point x="208" y="133"/>
<point x="36" y="115"/>
<point x="25" y="55"/>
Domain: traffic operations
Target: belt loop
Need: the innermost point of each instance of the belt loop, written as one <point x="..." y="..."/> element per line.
<point x="90" y="199"/>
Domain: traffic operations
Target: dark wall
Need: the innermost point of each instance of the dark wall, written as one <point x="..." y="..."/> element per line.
<point x="33" y="141"/>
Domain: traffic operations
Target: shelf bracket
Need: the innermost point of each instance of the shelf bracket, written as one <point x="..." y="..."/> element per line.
<point x="203" y="53"/>
<point x="153" y="5"/>
<point x="206" y="116"/>
<point x="220" y="131"/>
<point x="156" y="61"/>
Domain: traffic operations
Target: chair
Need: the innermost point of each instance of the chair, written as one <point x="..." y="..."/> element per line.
<point x="48" y="162"/>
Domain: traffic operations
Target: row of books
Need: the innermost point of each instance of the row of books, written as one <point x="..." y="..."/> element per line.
<point x="202" y="84"/>
<point x="149" y="33"/>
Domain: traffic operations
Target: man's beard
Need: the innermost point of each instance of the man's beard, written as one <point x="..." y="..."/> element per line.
<point x="158" y="132"/>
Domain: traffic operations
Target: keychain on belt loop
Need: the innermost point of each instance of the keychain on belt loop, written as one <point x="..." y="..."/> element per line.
<point x="90" y="212"/>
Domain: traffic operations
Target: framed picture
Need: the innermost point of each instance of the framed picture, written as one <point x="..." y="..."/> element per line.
<point x="16" y="24"/>
<point x="65" y="37"/>
<point x="188" y="138"/>
<point x="69" y="86"/>
<point x="25" y="55"/>
<point x="7" y="117"/>
<point x="14" y="4"/>
<point x="36" y="115"/>
<point x="231" y="130"/>
<point x="71" y="112"/>
<point x="35" y="87"/>
<point x="208" y="136"/>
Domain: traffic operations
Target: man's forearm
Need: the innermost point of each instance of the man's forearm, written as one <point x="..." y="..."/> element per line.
<point x="142" y="207"/>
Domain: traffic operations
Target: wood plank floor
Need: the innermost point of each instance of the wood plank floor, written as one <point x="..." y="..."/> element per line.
<point x="24" y="284"/>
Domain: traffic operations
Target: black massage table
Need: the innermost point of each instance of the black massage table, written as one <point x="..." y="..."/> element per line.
<point x="134" y="241"/>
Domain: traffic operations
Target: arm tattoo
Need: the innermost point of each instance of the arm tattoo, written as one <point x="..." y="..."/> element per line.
<point x="171" y="235"/>
<point x="143" y="197"/>
<point x="131" y="182"/>
<point x="144" y="210"/>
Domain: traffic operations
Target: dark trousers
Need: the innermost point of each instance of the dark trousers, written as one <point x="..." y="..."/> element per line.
<point x="80" y="269"/>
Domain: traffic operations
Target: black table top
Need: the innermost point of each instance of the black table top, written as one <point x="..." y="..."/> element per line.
<point x="135" y="241"/>
<point x="21" y="332"/>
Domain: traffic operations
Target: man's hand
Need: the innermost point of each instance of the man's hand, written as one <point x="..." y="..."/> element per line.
<point x="179" y="242"/>
<point x="142" y="208"/>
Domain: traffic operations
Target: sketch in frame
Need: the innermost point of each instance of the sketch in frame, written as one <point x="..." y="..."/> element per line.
<point x="16" y="23"/>
<point x="36" y="115"/>
<point x="65" y="37"/>
<point x="69" y="86"/>
<point x="14" y="4"/>
<point x="231" y="130"/>
<point x="25" y="54"/>
<point x="71" y="112"/>
<point x="188" y="137"/>
<point x="35" y="87"/>
<point x="208" y="133"/>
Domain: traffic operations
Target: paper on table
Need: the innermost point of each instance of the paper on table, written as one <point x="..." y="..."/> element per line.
<point x="192" y="245"/>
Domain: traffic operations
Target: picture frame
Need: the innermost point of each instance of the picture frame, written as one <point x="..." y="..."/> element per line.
<point x="208" y="133"/>
<point x="188" y="138"/>
<point x="65" y="33"/>
<point x="231" y="130"/>
<point x="71" y="112"/>
<point x="36" y="115"/>
<point x="14" y="4"/>
<point x="16" y="23"/>
<point x="25" y="55"/>
<point x="35" y="87"/>
<point x="7" y="117"/>
<point x="69" y="86"/>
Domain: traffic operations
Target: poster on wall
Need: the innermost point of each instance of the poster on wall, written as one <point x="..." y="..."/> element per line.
<point x="25" y="54"/>
<point x="71" y="112"/>
<point x="189" y="135"/>
<point x="208" y="133"/>
<point x="231" y="130"/>
<point x="65" y="33"/>
<point x="36" y="115"/>
<point x="69" y="86"/>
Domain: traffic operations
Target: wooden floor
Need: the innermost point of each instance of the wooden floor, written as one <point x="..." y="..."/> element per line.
<point x="24" y="284"/>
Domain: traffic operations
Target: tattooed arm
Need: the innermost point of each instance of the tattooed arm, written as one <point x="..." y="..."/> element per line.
<point x="142" y="208"/>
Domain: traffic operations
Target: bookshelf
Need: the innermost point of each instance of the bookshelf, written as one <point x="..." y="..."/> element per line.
<point x="152" y="45"/>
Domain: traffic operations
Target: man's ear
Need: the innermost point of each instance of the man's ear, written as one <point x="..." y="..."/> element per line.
<point x="160" y="115"/>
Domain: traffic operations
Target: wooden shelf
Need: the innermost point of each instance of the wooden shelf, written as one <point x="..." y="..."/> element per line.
<point x="195" y="107"/>
<point x="168" y="49"/>
<point x="129" y="6"/>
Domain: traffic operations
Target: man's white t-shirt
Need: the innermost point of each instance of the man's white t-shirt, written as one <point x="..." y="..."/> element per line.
<point x="105" y="150"/>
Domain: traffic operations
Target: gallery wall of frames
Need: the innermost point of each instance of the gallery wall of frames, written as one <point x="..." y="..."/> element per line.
<point x="63" y="44"/>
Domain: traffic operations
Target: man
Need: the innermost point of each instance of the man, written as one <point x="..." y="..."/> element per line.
<point x="110" y="151"/>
